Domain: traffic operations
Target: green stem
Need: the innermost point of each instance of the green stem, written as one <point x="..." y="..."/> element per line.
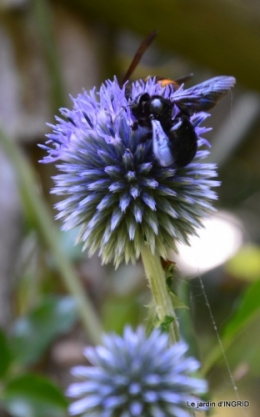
<point x="43" y="222"/>
<point x="156" y="277"/>
<point x="44" y="20"/>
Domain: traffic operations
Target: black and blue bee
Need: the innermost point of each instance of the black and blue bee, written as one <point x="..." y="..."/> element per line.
<point x="174" y="138"/>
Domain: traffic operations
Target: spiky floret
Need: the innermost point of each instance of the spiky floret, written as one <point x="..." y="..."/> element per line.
<point x="136" y="375"/>
<point x="111" y="183"/>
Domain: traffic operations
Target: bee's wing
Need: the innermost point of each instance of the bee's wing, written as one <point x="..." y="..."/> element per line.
<point x="204" y="96"/>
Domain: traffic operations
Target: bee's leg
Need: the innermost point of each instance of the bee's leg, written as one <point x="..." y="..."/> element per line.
<point x="141" y="123"/>
<point x="134" y="125"/>
<point x="183" y="110"/>
<point x="147" y="136"/>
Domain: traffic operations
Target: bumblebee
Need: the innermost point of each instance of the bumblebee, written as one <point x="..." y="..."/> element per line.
<point x="174" y="137"/>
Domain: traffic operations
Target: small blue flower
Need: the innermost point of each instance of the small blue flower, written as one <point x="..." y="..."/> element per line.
<point x="113" y="186"/>
<point x="136" y="375"/>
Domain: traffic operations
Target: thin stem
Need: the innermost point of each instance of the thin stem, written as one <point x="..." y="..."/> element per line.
<point x="42" y="13"/>
<point x="43" y="222"/>
<point x="156" y="277"/>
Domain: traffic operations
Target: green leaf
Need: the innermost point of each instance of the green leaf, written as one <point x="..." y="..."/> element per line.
<point x="247" y="312"/>
<point x="33" y="396"/>
<point x="245" y="264"/>
<point x="185" y="319"/>
<point x="34" y="332"/>
<point x="244" y="353"/>
<point x="6" y="355"/>
<point x="166" y="323"/>
<point x="249" y="307"/>
<point x="176" y="301"/>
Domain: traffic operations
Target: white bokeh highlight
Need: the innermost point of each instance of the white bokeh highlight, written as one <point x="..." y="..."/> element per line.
<point x="218" y="241"/>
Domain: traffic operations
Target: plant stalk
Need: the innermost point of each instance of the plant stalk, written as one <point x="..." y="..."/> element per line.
<point x="157" y="282"/>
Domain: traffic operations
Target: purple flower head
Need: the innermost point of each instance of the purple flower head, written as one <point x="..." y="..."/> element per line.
<point x="135" y="375"/>
<point x="111" y="182"/>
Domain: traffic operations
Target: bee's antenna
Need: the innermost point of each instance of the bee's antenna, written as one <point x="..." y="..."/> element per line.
<point x="139" y="53"/>
<point x="185" y="78"/>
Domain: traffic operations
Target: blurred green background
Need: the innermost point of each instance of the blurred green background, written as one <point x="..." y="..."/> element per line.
<point x="50" y="49"/>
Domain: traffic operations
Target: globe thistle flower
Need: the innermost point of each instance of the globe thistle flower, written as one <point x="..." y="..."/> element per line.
<point x="136" y="375"/>
<point x="112" y="184"/>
